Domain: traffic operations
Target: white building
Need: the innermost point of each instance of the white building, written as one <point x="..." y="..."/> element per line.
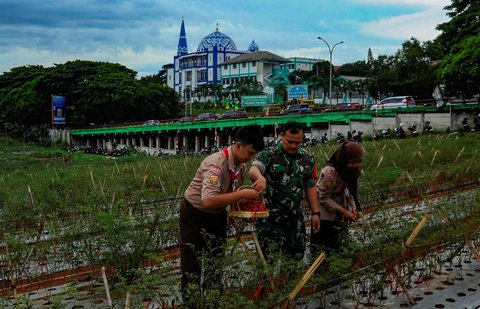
<point x="260" y="66"/>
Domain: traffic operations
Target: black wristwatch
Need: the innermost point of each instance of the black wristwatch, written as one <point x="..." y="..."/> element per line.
<point x="316" y="213"/>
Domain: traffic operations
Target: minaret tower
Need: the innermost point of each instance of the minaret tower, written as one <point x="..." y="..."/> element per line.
<point x="182" y="41"/>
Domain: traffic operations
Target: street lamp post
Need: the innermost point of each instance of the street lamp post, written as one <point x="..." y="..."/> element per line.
<point x="331" y="52"/>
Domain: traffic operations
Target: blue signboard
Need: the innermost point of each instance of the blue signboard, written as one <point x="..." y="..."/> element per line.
<point x="298" y="92"/>
<point x="58" y="109"/>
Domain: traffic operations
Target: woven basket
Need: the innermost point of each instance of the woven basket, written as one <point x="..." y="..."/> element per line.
<point x="249" y="208"/>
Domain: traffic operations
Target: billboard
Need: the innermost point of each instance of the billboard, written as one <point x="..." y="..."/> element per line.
<point x="58" y="109"/>
<point x="298" y="92"/>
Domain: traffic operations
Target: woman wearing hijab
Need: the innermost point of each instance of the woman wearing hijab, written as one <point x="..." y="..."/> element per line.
<point x="337" y="190"/>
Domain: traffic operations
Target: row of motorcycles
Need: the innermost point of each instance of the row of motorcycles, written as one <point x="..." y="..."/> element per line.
<point x="400" y="132"/>
<point x="352" y="136"/>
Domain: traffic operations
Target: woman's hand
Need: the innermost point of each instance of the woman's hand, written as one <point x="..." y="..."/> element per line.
<point x="350" y="216"/>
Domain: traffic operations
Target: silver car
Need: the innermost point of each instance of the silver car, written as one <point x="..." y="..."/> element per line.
<point x="394" y="102"/>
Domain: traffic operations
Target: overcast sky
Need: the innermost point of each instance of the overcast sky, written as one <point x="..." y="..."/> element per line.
<point x="143" y="34"/>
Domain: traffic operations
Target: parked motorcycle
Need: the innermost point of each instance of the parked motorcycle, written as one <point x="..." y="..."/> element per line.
<point x="400" y="132"/>
<point x="427" y="128"/>
<point x="357" y="138"/>
<point x="350" y="136"/>
<point x="340" y="137"/>
<point x="413" y="130"/>
<point x="465" y="125"/>
<point x="476" y="123"/>
<point x="324" y="138"/>
<point x="387" y="133"/>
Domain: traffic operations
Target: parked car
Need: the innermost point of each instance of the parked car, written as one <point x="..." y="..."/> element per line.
<point x="344" y="107"/>
<point x="233" y="113"/>
<point x="187" y="119"/>
<point x="206" y="117"/>
<point x="151" y="122"/>
<point x="297" y="108"/>
<point x="394" y="102"/>
<point x="272" y="110"/>
<point x="318" y="108"/>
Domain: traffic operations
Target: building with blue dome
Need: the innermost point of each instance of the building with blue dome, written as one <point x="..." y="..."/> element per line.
<point x="192" y="72"/>
<point x="217" y="63"/>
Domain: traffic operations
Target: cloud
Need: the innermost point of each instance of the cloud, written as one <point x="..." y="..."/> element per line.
<point x="420" y="25"/>
<point x="143" y="34"/>
<point x="421" y="3"/>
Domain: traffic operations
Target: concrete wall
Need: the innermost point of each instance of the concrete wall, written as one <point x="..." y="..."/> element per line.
<point x="59" y="135"/>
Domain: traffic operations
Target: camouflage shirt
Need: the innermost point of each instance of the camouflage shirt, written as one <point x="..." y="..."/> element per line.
<point x="287" y="177"/>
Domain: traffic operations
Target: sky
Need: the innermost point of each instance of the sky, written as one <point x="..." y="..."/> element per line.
<point x="143" y="34"/>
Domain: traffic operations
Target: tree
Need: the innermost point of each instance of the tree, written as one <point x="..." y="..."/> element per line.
<point x="459" y="41"/>
<point x="359" y="68"/>
<point x="460" y="70"/>
<point x="98" y="92"/>
<point x="369" y="56"/>
<point x="410" y="71"/>
<point x="322" y="72"/>
<point x="464" y="23"/>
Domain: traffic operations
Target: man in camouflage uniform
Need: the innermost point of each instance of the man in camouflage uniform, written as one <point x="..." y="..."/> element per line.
<point x="285" y="173"/>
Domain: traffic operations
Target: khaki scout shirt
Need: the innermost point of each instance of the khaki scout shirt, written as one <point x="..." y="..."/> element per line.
<point x="213" y="178"/>
<point x="332" y="193"/>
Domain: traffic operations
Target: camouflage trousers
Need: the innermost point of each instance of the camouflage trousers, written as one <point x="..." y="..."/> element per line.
<point x="282" y="231"/>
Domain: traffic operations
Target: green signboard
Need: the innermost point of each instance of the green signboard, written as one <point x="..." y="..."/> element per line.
<point x="254" y="100"/>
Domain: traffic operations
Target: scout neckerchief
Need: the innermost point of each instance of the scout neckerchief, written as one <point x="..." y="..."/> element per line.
<point x="231" y="172"/>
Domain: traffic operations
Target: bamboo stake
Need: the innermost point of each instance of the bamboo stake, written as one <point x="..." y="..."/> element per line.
<point x="472" y="249"/>
<point x="178" y="192"/>
<point x="459" y="154"/>
<point x="128" y="300"/>
<point x="409" y="241"/>
<point x="113" y="200"/>
<point x="161" y="184"/>
<point x="91" y="177"/>
<point x="434" y="156"/>
<point x="396" y="144"/>
<point x="107" y="290"/>
<point x="326" y="156"/>
<point x="380" y="161"/>
<point x="259" y="249"/>
<point x="307" y="276"/>
<point x="415" y="233"/>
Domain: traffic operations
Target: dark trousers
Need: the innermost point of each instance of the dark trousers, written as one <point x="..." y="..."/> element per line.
<point x="202" y="239"/>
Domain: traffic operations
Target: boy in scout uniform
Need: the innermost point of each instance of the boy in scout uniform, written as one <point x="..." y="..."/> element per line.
<point x="203" y="216"/>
